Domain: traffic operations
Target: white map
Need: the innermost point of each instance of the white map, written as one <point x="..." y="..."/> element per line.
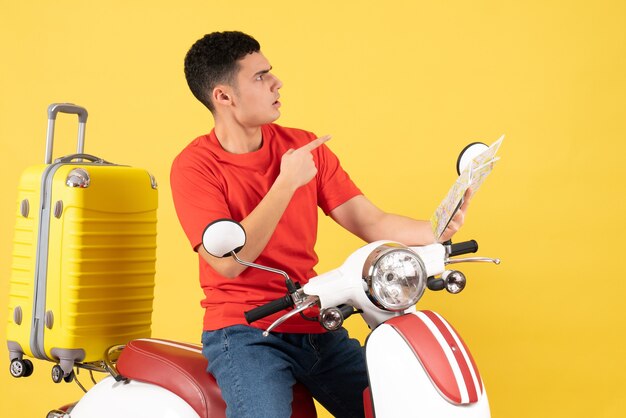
<point x="472" y="177"/>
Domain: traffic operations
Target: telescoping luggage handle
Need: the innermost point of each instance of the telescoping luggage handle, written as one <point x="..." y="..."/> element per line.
<point x="70" y="108"/>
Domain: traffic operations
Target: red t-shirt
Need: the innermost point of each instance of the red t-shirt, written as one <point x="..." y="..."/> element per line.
<point x="209" y="183"/>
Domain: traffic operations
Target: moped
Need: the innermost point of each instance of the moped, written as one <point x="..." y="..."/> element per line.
<point x="417" y="364"/>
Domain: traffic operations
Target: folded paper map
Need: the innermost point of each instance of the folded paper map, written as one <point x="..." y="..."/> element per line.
<point x="472" y="177"/>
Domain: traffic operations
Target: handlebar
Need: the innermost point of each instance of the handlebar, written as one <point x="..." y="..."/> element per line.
<point x="461" y="248"/>
<point x="268" y="309"/>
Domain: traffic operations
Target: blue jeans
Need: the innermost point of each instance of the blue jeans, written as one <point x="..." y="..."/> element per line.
<point x="256" y="373"/>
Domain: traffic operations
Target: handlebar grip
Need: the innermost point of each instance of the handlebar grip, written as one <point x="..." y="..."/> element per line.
<point x="268" y="309"/>
<point x="463" y="248"/>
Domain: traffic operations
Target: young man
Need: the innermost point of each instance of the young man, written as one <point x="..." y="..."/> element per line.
<point x="271" y="179"/>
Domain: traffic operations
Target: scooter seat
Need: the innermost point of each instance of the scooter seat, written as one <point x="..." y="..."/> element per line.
<point x="181" y="369"/>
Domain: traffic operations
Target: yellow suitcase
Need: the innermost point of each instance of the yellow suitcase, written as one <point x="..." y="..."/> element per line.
<point x="84" y="254"/>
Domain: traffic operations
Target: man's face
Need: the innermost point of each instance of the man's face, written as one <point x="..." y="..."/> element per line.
<point x="255" y="100"/>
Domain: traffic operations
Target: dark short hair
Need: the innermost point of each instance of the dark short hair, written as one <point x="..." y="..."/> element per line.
<point x="213" y="59"/>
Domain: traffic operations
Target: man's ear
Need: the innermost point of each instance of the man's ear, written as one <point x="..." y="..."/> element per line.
<point x="222" y="95"/>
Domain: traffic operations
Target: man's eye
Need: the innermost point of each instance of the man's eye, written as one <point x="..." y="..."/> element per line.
<point x="260" y="77"/>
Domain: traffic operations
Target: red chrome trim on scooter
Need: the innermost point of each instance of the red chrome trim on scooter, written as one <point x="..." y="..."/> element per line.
<point x="443" y="355"/>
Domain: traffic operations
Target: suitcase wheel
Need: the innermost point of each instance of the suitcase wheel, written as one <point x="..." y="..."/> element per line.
<point x="21" y="368"/>
<point x="69" y="378"/>
<point x="58" y="375"/>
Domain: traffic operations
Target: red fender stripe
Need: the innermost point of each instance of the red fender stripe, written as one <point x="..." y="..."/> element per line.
<point x="433" y="358"/>
<point x="430" y="354"/>
<point x="469" y="355"/>
<point x="458" y="355"/>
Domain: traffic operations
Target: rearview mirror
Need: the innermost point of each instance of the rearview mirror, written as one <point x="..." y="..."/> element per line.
<point x="222" y="237"/>
<point x="468" y="154"/>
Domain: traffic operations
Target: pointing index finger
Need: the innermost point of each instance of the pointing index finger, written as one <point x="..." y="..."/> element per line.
<point x="315" y="143"/>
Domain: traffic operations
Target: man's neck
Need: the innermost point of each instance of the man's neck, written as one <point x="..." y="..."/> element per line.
<point x="238" y="139"/>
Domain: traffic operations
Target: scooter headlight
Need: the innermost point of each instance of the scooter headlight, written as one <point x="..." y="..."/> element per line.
<point x="395" y="277"/>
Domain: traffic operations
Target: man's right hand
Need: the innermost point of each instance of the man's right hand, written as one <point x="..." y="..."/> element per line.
<point x="297" y="167"/>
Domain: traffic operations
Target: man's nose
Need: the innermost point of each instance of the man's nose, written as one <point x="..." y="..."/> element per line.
<point x="277" y="83"/>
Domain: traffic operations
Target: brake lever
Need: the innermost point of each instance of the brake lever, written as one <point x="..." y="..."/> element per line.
<point x="308" y="302"/>
<point x="473" y="260"/>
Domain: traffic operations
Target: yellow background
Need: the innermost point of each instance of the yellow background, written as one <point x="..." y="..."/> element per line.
<point x="402" y="86"/>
